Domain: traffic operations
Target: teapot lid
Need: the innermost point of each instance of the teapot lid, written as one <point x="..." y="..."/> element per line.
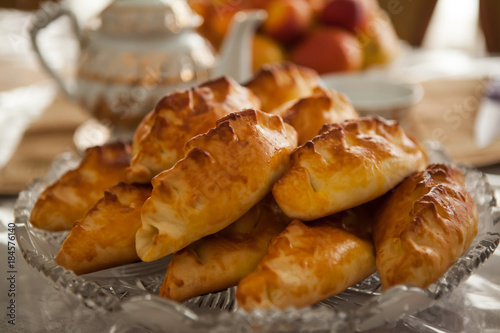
<point x="148" y="16"/>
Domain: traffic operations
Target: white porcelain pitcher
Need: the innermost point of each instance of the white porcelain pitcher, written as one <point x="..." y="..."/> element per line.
<point x="141" y="50"/>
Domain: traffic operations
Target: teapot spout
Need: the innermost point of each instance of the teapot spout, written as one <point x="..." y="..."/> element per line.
<point x="235" y="58"/>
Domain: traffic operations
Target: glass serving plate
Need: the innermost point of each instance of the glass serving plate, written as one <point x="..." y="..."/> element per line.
<point x="131" y="290"/>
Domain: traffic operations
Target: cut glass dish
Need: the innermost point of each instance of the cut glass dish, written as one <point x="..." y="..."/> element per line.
<point x="132" y="289"/>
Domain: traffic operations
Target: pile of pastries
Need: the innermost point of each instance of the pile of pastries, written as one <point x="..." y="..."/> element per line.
<point x="276" y="186"/>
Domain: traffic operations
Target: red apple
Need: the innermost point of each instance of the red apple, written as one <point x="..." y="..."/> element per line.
<point x="287" y="19"/>
<point x="329" y="49"/>
<point x="317" y="5"/>
<point x="349" y="14"/>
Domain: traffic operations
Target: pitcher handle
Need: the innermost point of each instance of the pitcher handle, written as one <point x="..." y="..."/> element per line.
<point x="42" y="19"/>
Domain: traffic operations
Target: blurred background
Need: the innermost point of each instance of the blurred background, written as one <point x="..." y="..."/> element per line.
<point x="469" y="25"/>
<point x="465" y="25"/>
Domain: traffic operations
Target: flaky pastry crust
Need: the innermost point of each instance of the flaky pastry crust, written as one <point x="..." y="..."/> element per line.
<point x="279" y="83"/>
<point x="221" y="260"/>
<point x="306" y="264"/>
<point x="67" y="200"/>
<point x="423" y="227"/>
<point x="226" y="171"/>
<point x="348" y="164"/>
<point x="105" y="236"/>
<point x="309" y="114"/>
<point x="160" y="138"/>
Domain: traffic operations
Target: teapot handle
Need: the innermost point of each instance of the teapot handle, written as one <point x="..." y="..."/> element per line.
<point x="41" y="20"/>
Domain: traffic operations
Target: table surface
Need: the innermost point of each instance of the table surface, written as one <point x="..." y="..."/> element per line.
<point x="473" y="307"/>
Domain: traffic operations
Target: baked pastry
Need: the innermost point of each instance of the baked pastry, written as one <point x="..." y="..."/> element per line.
<point x="309" y="114"/>
<point x="160" y="138"/>
<point x="226" y="171"/>
<point x="348" y="164"/>
<point x="423" y="227"/>
<point x="221" y="260"/>
<point x="358" y="220"/>
<point x="306" y="264"/>
<point x="69" y="198"/>
<point x="278" y="83"/>
<point x="105" y="236"/>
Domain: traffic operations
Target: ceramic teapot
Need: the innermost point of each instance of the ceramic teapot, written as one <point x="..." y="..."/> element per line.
<point x="140" y="50"/>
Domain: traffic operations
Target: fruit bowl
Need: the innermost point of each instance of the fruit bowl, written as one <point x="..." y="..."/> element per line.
<point x="325" y="35"/>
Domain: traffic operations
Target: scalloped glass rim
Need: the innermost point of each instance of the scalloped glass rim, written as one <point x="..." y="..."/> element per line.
<point x="132" y="289"/>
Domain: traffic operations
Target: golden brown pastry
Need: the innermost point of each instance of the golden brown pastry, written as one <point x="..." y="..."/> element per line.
<point x="309" y="114"/>
<point x="105" y="236"/>
<point x="358" y="220"/>
<point x="279" y="83"/>
<point x="306" y="264"/>
<point x="67" y="200"/>
<point x="160" y="138"/>
<point x="221" y="260"/>
<point x="348" y="164"/>
<point x="226" y="171"/>
<point x="423" y="227"/>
